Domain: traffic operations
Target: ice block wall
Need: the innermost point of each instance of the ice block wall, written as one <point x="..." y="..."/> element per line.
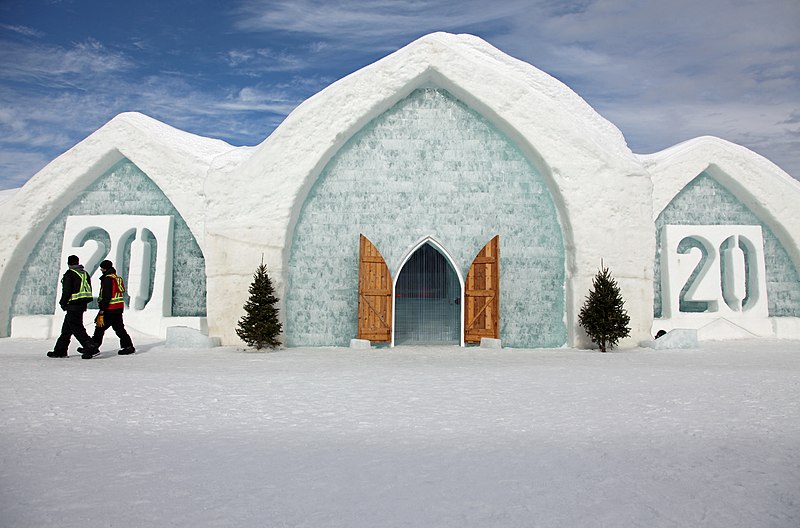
<point x="704" y="201"/>
<point x="429" y="166"/>
<point x="123" y="189"/>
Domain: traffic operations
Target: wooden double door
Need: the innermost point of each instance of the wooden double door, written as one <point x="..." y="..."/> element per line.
<point x="481" y="295"/>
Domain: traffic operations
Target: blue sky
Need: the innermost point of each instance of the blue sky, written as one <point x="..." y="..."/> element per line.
<point x="663" y="71"/>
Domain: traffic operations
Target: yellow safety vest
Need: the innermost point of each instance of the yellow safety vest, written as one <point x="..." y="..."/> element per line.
<point x="85" y="291"/>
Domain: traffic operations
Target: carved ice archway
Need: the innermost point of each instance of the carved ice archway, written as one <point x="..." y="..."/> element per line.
<point x="450" y="261"/>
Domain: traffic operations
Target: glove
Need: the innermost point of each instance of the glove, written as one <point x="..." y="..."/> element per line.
<point x="99" y="320"/>
<point x="63" y="307"/>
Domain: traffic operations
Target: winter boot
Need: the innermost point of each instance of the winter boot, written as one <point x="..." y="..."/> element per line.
<point x="90" y="351"/>
<point x="81" y="349"/>
<point x="127" y="351"/>
<point x="57" y="354"/>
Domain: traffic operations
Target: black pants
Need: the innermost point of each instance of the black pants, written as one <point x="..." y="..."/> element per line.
<point x="113" y="320"/>
<point x="73" y="326"/>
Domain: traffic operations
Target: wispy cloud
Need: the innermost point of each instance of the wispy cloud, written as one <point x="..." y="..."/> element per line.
<point x="23" y="30"/>
<point x="663" y="72"/>
<point x="793" y="119"/>
<point x="49" y="65"/>
<point x="355" y="23"/>
<point x="71" y="91"/>
<point x="255" y="99"/>
<point x="17" y="166"/>
<point x="263" y="60"/>
<point x="668" y="71"/>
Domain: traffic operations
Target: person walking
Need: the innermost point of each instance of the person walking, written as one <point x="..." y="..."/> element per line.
<point x="112" y="303"/>
<point x="76" y="293"/>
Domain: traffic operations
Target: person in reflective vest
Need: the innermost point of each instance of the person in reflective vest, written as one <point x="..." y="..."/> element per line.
<point x="76" y="293"/>
<point x="112" y="302"/>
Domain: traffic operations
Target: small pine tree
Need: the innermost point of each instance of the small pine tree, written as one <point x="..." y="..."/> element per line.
<point x="603" y="315"/>
<point x="260" y="327"/>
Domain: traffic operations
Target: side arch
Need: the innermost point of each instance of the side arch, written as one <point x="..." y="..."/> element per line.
<point x="769" y="192"/>
<point x="177" y="163"/>
<point x="705" y="200"/>
<point x="123" y="189"/>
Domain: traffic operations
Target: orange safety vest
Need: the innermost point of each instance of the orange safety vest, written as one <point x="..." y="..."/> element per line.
<point x="117" y="301"/>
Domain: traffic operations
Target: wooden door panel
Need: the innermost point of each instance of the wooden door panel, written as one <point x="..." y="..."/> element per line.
<point x="482" y="295"/>
<point x="374" y="294"/>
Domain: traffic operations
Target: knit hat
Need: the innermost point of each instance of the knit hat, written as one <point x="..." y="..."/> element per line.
<point x="106" y="264"/>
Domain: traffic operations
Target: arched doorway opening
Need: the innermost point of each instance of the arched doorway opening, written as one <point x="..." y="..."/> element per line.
<point x="428" y="296"/>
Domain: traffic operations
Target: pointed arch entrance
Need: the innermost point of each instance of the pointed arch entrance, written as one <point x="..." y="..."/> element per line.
<point x="429" y="302"/>
<point x="428" y="298"/>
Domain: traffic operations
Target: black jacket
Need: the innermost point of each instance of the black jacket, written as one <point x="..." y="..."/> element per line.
<point x="71" y="283"/>
<point x="106" y="290"/>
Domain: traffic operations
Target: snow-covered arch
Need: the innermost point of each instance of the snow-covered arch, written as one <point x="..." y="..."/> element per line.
<point x="736" y="186"/>
<point x="175" y="161"/>
<point x="428" y="166"/>
<point x="757" y="182"/>
<point x="579" y="154"/>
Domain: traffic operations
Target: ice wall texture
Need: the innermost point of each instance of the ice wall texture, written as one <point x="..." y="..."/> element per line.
<point x="428" y="167"/>
<point x="123" y="189"/>
<point x="704" y="201"/>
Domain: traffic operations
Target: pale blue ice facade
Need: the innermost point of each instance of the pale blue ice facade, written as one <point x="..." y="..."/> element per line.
<point x="428" y="167"/>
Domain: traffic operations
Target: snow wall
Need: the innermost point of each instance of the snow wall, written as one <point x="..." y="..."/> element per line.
<point x="447" y="140"/>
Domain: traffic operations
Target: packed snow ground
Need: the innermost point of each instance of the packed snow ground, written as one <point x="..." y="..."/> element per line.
<point x="411" y="437"/>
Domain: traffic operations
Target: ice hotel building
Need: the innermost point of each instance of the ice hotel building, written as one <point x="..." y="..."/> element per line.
<point x="445" y="193"/>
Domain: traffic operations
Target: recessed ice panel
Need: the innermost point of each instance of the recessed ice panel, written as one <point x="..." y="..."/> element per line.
<point x="153" y="301"/>
<point x="722" y="269"/>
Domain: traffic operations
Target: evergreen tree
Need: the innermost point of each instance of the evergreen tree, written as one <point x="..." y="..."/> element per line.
<point x="603" y="315"/>
<point x="260" y="327"/>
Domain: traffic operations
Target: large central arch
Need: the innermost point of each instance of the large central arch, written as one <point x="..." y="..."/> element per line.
<point x="576" y="154"/>
<point x="428" y="167"/>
